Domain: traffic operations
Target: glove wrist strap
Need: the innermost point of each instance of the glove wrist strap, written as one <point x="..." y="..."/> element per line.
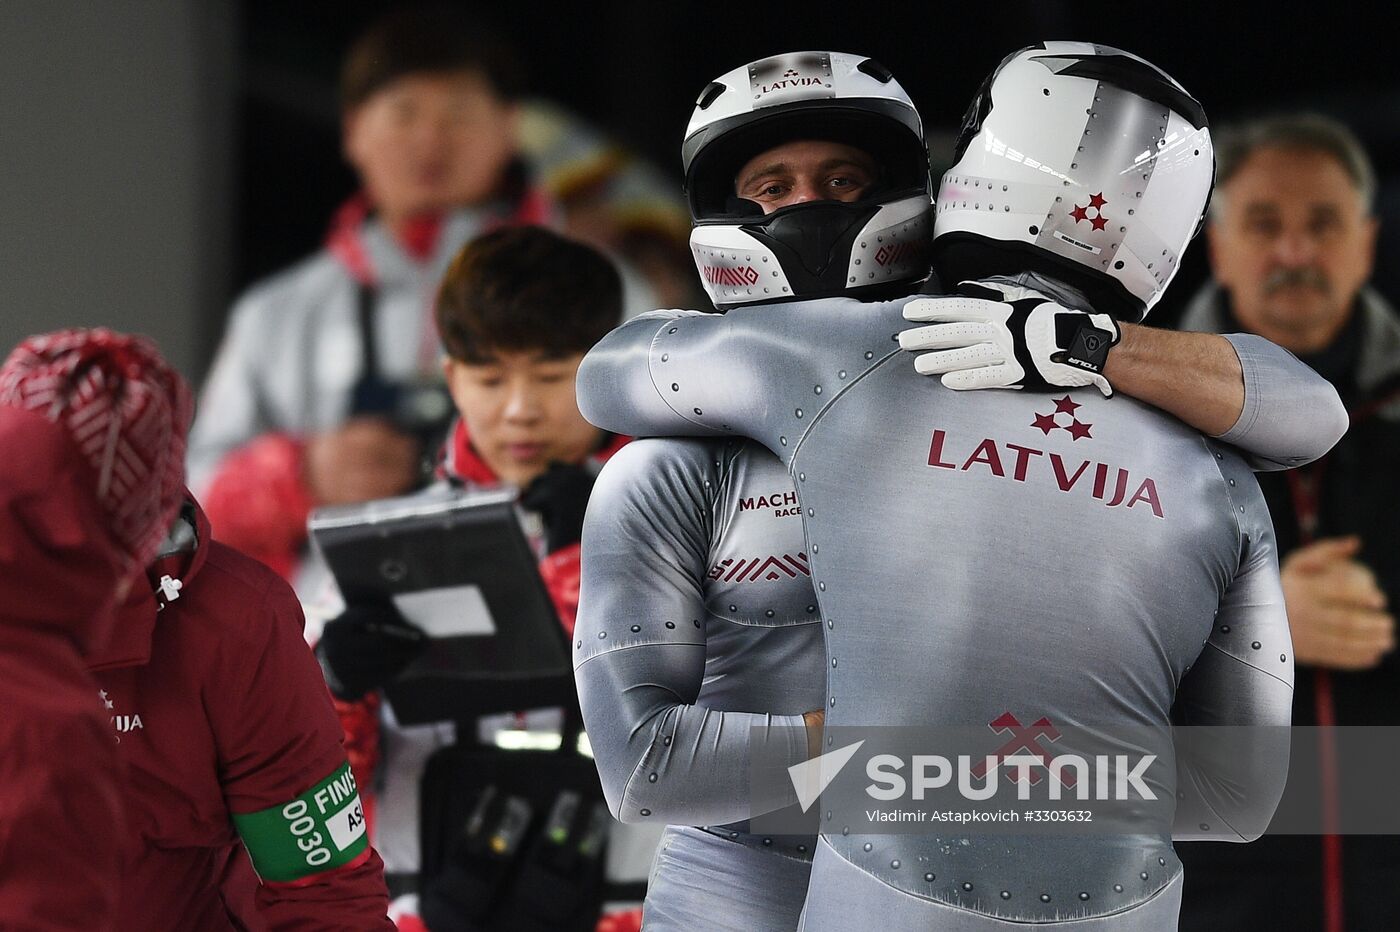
<point x="1086" y="344"/>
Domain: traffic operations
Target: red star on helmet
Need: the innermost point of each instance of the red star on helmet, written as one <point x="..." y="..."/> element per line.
<point x="1046" y="422"/>
<point x="1077" y="430"/>
<point x="1098" y="223"/>
<point x="1079" y="213"/>
<point x="1096" y="200"/>
<point x="1066" y="405"/>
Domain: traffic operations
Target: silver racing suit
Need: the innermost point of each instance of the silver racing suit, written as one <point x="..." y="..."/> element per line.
<point x="697" y="622"/>
<point x="934" y="519"/>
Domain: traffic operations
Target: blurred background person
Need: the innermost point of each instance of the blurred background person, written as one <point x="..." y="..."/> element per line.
<point x="517" y="309"/>
<point x="92" y="425"/>
<point x="614" y="200"/>
<point x="1292" y="240"/>
<point x="325" y="389"/>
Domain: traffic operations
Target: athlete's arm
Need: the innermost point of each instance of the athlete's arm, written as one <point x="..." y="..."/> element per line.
<point x="1241" y="388"/>
<point x="1198" y="380"/>
<point x="639" y="648"/>
<point x="761" y="372"/>
<point x="1236" y="699"/>
<point x="616" y="388"/>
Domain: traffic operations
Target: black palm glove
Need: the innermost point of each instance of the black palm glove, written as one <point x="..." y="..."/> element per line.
<point x="560" y="496"/>
<point x="366" y="647"/>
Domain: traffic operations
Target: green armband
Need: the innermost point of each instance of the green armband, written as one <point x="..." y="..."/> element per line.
<point x="317" y="831"/>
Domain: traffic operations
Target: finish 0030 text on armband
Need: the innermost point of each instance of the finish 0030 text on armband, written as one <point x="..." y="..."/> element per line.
<point x="318" y="831"/>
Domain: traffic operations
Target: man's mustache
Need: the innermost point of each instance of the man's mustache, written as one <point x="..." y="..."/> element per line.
<point x="1289" y="278"/>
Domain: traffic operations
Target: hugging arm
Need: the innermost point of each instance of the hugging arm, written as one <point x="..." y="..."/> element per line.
<point x="640" y="646"/>
<point x="1239" y="388"/>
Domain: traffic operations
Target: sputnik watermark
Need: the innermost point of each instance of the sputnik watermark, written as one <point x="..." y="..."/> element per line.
<point x="999" y="776"/>
<point x="1117" y="777"/>
<point x="1190" y="783"/>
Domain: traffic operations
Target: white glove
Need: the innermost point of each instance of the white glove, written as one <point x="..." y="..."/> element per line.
<point x="995" y="336"/>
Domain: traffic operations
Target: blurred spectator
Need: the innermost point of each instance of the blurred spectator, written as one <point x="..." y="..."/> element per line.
<point x="325" y="389"/>
<point x="1292" y="238"/>
<point x="614" y="200"/>
<point x="517" y="310"/>
<point x="92" y="425"/>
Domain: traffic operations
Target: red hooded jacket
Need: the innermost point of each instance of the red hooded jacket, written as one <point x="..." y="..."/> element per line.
<point x="218" y="710"/>
<point x="60" y="802"/>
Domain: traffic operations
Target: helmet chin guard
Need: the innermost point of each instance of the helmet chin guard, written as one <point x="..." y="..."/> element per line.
<point x="821" y="249"/>
<point x="1081" y="162"/>
<point x="817" y="248"/>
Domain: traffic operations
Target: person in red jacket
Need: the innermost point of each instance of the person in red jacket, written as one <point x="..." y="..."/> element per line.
<point x="92" y="429"/>
<point x="242" y="812"/>
<point x="517" y="310"/>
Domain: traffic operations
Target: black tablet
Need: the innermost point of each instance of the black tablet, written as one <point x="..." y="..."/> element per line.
<point x="458" y="565"/>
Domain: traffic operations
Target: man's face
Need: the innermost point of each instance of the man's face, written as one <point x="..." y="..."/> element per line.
<point x="521" y="412"/>
<point x="430" y="142"/>
<point x="805" y="170"/>
<point x="1292" y="245"/>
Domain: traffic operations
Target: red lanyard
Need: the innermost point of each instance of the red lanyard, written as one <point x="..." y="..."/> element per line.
<point x="1305" y="487"/>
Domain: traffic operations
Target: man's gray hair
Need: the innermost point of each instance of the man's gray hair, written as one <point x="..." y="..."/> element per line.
<point x="1311" y="132"/>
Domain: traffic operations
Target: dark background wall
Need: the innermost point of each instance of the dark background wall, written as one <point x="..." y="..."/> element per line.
<point x="117" y="168"/>
<point x="158" y="155"/>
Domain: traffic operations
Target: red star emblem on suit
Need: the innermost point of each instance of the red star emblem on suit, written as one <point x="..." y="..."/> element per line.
<point x="1077" y="429"/>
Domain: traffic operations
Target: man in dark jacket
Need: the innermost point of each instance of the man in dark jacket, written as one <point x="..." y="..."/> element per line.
<point x="1292" y="240"/>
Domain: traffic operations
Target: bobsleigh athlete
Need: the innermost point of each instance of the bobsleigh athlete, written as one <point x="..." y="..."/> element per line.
<point x="698" y="624"/>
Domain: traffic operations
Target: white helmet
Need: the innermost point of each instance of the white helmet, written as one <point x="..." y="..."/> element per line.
<point x="1080" y="161"/>
<point x="818" y="248"/>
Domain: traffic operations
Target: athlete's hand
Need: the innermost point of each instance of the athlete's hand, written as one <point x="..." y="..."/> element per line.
<point x="984" y="336"/>
<point x="1336" y="610"/>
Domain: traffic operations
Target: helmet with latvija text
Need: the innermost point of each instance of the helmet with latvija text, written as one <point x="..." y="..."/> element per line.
<point x="819" y="248"/>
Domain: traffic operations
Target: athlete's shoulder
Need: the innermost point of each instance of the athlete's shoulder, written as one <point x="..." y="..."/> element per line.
<point x="1240" y="486"/>
<point x="815" y="334"/>
<point x="662" y="463"/>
